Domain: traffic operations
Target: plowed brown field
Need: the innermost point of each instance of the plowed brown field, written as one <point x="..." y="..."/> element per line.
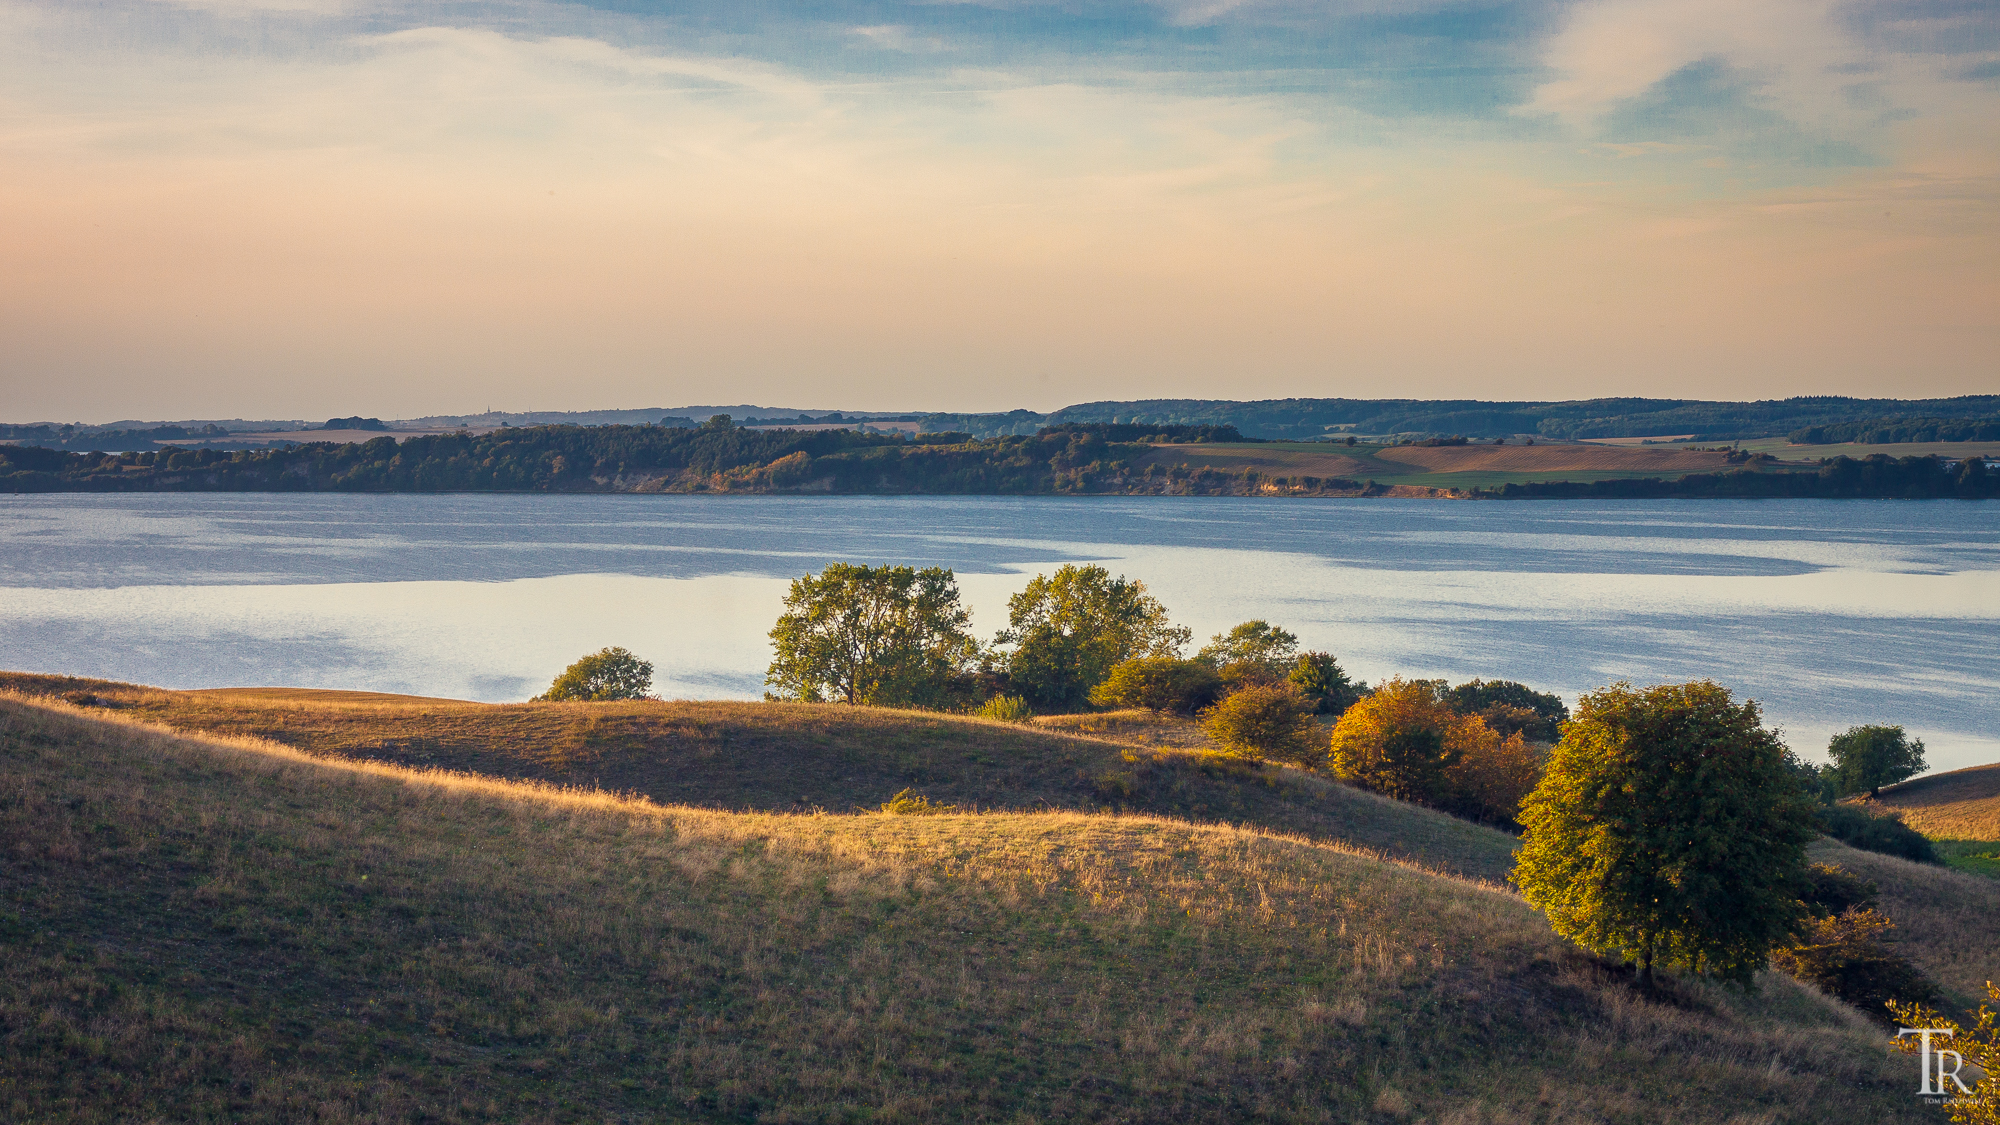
<point x="1550" y="459"/>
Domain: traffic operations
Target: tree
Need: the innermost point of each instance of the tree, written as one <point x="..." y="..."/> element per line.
<point x="1867" y="758"/>
<point x="607" y="674"/>
<point x="1319" y="677"/>
<point x="1070" y="628"/>
<point x="884" y="635"/>
<point x="1405" y="741"/>
<point x="1159" y="683"/>
<point x="1264" y="723"/>
<point x="1253" y="642"/>
<point x="1668" y="829"/>
<point x="1501" y="702"/>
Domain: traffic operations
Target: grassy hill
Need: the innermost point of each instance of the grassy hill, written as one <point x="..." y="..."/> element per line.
<point x="212" y="929"/>
<point x="796" y="757"/>
<point x="1959" y="811"/>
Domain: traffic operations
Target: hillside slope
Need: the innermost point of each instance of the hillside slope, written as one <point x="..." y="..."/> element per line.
<point x="206" y="930"/>
<point x="1957" y="805"/>
<point x="1946" y="920"/>
<point x="796" y="757"/>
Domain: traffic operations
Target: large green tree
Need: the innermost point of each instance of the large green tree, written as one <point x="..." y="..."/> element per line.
<point x="1068" y="629"/>
<point x="1867" y="758"/>
<point x="1670" y="830"/>
<point x="886" y="635"/>
<point x="607" y="674"/>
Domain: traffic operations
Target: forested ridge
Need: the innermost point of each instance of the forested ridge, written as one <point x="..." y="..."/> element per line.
<point x="711" y="458"/>
<point x="1295" y="418"/>
<point x="1100" y="459"/>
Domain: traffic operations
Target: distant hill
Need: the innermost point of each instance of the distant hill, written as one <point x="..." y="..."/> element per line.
<point x="1302" y="418"/>
<point x="1072" y="459"/>
<point x="206" y="929"/>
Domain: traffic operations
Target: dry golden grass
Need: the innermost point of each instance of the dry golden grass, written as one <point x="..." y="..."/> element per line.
<point x="797" y="757"/>
<point x="1959" y="805"/>
<point x="1948" y="922"/>
<point x="226" y="929"/>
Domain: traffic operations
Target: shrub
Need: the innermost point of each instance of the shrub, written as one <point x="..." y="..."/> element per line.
<point x="1857" y="828"/>
<point x="1159" y="683"/>
<point x="1272" y="723"/>
<point x="909" y="802"/>
<point x="1007" y="709"/>
<point x="1845" y="955"/>
<point x="1832" y="889"/>
<point x="1404" y="741"/>
<point x="607" y="674"/>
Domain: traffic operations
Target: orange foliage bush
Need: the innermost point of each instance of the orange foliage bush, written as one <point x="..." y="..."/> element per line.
<point x="1405" y="741"/>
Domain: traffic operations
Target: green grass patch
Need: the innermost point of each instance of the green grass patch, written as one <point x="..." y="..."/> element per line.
<point x="1981" y="857"/>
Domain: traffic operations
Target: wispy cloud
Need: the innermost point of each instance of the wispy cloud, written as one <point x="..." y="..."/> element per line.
<point x="897" y="37"/>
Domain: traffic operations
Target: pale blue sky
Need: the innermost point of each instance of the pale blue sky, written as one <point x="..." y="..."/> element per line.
<point x="296" y="207"/>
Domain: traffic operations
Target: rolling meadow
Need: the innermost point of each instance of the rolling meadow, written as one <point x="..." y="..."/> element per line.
<point x="296" y="906"/>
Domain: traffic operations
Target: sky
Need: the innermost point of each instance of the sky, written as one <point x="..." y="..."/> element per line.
<point x="308" y="208"/>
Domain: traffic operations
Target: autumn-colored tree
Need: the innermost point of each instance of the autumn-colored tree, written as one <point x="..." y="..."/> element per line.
<point x="1669" y="829"/>
<point x="1405" y="740"/>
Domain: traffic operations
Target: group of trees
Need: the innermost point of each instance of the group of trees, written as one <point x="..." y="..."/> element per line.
<point x="1666" y="826"/>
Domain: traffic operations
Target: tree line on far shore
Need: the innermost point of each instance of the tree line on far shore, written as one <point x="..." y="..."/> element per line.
<point x="720" y="457"/>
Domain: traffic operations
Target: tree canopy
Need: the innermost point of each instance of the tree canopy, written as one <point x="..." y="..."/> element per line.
<point x="1253" y="642"/>
<point x="885" y="635"/>
<point x="1071" y="627"/>
<point x="1668" y="829"/>
<point x="1404" y="740"/>
<point x="607" y="674"/>
<point x="1867" y="758"/>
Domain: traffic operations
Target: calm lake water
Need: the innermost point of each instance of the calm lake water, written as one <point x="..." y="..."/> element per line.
<point x="1830" y="613"/>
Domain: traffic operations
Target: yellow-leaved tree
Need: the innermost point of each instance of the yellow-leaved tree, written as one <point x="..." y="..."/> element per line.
<point x="1405" y="740"/>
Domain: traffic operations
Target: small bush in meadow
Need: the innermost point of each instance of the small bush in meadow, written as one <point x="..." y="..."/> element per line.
<point x="1847" y="955"/>
<point x="909" y="802"/>
<point x="1007" y="709"/>
<point x="1272" y="723"/>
